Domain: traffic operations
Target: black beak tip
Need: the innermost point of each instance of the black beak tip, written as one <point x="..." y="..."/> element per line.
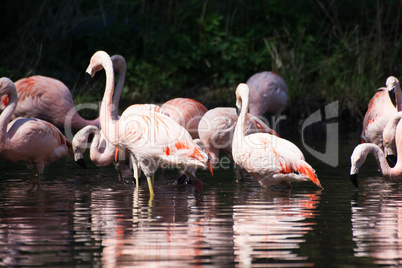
<point x="392" y="159"/>
<point x="81" y="163"/>
<point x="392" y="96"/>
<point x="88" y="78"/>
<point x="354" y="180"/>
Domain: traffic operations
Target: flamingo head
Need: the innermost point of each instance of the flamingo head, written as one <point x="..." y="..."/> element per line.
<point x="242" y="94"/>
<point x="97" y="62"/>
<point x="6" y="85"/>
<point x="79" y="145"/>
<point x="119" y="63"/>
<point x="392" y="83"/>
<point x="357" y="159"/>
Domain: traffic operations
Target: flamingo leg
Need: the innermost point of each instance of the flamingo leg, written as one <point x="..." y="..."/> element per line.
<point x="137" y="180"/>
<point x="150" y="185"/>
<point x="38" y="179"/>
<point x="242" y="176"/>
<point x="136" y="170"/>
<point x="33" y="176"/>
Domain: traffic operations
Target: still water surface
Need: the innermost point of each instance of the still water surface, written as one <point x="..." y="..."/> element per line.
<point x="86" y="218"/>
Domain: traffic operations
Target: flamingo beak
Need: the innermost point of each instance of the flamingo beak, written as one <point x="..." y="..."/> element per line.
<point x="355" y="182"/>
<point x="392" y="159"/>
<point x="81" y="163"/>
<point x="391" y="94"/>
<point x="116" y="154"/>
<point x="210" y="167"/>
<point x="238" y="111"/>
<point x="88" y="78"/>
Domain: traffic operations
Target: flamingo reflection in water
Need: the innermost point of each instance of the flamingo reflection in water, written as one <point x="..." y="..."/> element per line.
<point x="196" y="230"/>
<point x="377" y="222"/>
<point x="272" y="225"/>
<point x="180" y="232"/>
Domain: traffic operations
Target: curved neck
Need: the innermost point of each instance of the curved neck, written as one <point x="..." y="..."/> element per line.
<point x="7" y="113"/>
<point x="107" y="121"/>
<point x="77" y="122"/>
<point x="390" y="128"/>
<point x="386" y="170"/>
<point x="121" y="70"/>
<point x="380" y="157"/>
<point x="94" y="151"/>
<point x="240" y="129"/>
<point x="398" y="97"/>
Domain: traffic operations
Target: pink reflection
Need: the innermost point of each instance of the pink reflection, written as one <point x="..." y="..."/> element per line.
<point x="377" y="222"/>
<point x="174" y="229"/>
<point x="272" y="226"/>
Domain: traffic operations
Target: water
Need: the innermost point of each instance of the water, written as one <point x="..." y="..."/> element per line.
<point x="86" y="218"/>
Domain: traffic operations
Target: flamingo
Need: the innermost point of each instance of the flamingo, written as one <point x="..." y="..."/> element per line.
<point x="152" y="138"/>
<point x="50" y="99"/>
<point x="381" y="110"/>
<point x="110" y="153"/>
<point x="361" y="151"/>
<point x="269" y="159"/>
<point x="102" y="152"/>
<point x="268" y="93"/>
<point x="187" y="112"/>
<point x="34" y="141"/>
<point x="216" y="130"/>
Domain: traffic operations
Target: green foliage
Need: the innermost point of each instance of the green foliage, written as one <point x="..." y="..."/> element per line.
<point x="202" y="49"/>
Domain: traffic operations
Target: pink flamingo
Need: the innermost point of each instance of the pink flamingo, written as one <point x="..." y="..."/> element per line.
<point x="32" y="140"/>
<point x="380" y="110"/>
<point x="216" y="130"/>
<point x="102" y="152"/>
<point x="269" y="159"/>
<point x="268" y="93"/>
<point x="361" y="151"/>
<point x="187" y="112"/>
<point x="50" y="99"/>
<point x="152" y="138"/>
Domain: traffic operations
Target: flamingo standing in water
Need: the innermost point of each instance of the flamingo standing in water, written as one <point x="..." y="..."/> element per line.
<point x="102" y="152"/>
<point x="380" y="110"/>
<point x="187" y="112"/>
<point x="34" y="141"/>
<point x="361" y="151"/>
<point x="152" y="138"/>
<point x="268" y="93"/>
<point x="216" y="130"/>
<point x="269" y="159"/>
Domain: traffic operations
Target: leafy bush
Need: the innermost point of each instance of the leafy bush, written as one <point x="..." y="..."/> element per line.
<point x="325" y="50"/>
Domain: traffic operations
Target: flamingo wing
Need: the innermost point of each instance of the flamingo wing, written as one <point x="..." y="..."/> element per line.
<point x="155" y="135"/>
<point x="380" y="111"/>
<point x="185" y="111"/>
<point x="37" y="95"/>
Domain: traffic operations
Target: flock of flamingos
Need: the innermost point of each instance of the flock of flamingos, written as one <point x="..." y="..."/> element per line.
<point x="181" y="133"/>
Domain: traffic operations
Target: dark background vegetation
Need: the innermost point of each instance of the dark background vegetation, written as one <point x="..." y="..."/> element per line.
<point x="326" y="50"/>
